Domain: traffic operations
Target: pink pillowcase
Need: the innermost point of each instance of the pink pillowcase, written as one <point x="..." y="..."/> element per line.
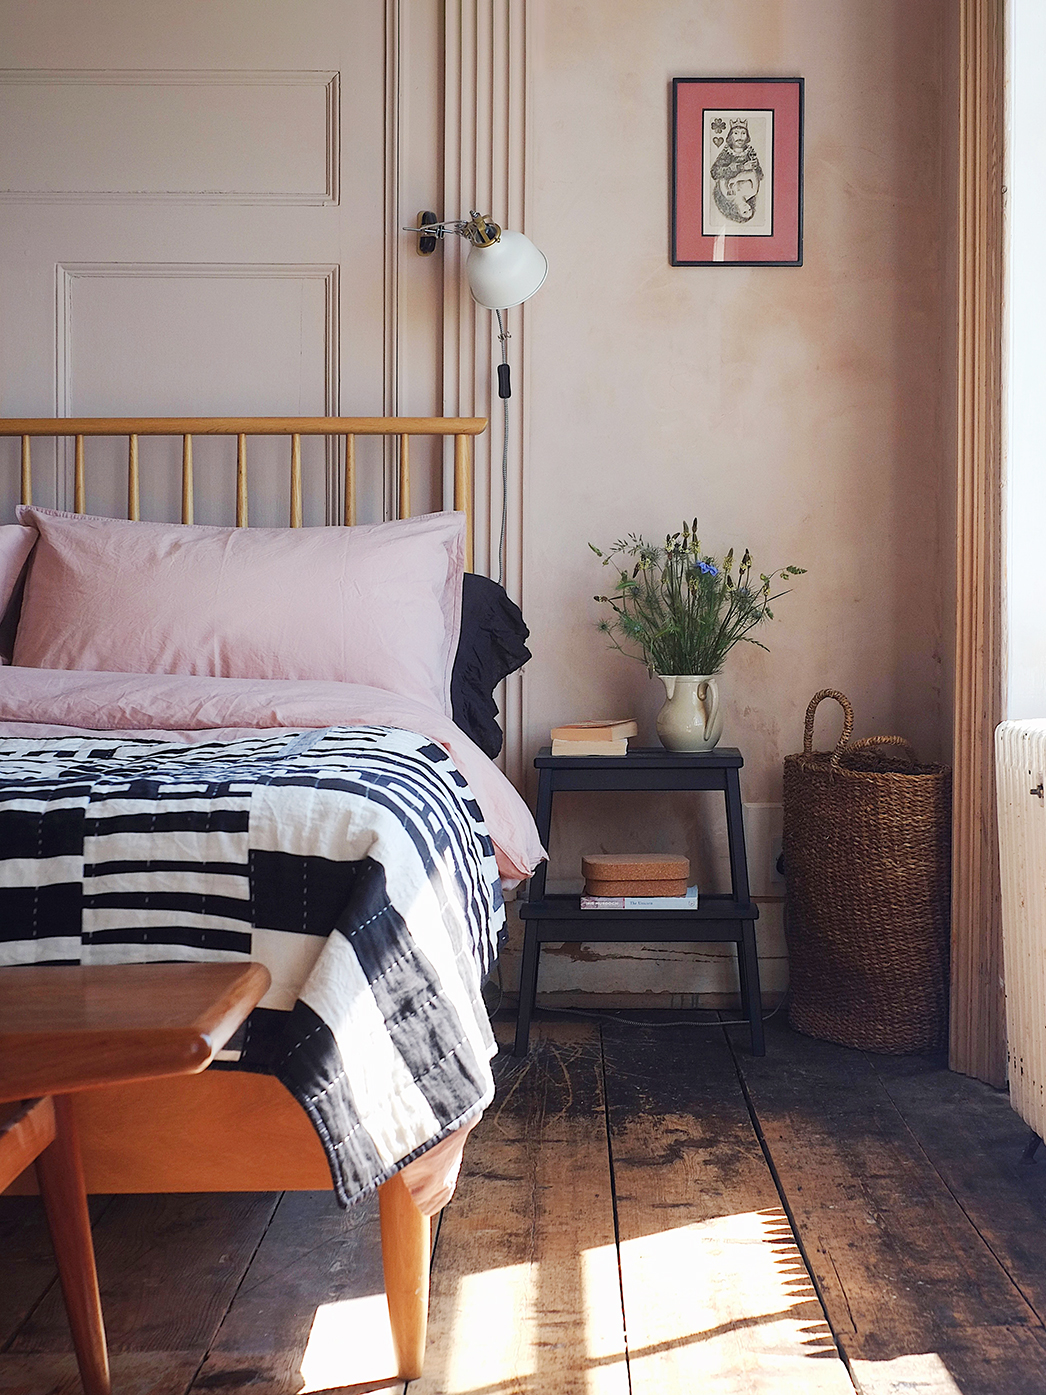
<point x="377" y="604"/>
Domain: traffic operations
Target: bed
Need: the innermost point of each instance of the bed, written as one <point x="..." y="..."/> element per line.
<point x="217" y="743"/>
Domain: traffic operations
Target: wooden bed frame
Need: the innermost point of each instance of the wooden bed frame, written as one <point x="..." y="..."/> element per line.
<point x="223" y="1130"/>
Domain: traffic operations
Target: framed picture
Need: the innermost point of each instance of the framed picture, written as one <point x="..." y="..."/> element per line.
<point x="737" y="172"/>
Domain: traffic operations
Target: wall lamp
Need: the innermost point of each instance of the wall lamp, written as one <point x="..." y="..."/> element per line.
<point x="503" y="268"/>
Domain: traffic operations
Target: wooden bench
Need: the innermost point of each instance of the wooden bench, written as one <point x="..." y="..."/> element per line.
<point x="71" y="1029"/>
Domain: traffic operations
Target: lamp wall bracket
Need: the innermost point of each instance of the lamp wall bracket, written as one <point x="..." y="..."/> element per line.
<point x="427" y="240"/>
<point x="480" y="230"/>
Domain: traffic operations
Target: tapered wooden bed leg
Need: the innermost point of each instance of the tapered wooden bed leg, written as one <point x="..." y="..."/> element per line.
<point x="405" y="1239"/>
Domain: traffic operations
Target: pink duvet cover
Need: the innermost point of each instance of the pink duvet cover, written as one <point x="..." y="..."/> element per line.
<point x="38" y="702"/>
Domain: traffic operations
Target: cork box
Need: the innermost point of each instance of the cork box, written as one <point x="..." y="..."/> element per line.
<point x="635" y="874"/>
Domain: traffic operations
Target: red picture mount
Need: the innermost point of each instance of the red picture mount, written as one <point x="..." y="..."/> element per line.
<point x="737" y="172"/>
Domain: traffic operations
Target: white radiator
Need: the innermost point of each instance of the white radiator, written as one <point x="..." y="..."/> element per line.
<point x="1020" y="757"/>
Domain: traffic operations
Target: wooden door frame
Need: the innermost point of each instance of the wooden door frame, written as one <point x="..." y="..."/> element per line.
<point x="978" y="1027"/>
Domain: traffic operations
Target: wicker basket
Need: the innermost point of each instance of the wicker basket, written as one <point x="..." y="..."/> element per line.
<point x="867" y="868"/>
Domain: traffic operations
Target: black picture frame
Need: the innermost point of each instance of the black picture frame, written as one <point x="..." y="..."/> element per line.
<point x="749" y="211"/>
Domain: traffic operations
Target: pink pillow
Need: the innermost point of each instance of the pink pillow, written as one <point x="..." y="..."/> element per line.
<point x="378" y="604"/>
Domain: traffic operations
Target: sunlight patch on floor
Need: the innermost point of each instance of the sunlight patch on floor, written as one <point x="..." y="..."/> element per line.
<point x="922" y="1373"/>
<point x="604" y="1324"/>
<point x="726" y="1300"/>
<point x="349" y="1342"/>
<point x="492" y="1312"/>
<point x="530" y="1328"/>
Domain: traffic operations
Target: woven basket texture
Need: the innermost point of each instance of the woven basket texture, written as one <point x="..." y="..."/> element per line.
<point x="867" y="856"/>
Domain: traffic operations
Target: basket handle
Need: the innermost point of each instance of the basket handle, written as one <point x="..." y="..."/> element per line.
<point x="905" y="746"/>
<point x="811" y="711"/>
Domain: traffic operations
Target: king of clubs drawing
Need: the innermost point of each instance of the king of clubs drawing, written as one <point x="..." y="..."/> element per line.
<point x="737" y="156"/>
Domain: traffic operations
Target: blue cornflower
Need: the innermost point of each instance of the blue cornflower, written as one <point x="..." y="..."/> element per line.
<point x="707" y="568"/>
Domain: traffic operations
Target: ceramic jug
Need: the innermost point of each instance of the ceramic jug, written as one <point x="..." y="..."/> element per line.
<point x="690" y="719"/>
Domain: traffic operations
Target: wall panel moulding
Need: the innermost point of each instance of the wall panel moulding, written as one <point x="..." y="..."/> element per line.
<point x="143" y="136"/>
<point x="485" y="167"/>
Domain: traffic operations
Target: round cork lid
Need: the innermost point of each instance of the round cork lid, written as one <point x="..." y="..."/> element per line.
<point x="634" y="867"/>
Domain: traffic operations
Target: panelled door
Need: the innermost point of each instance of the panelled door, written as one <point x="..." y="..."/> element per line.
<point x="193" y="221"/>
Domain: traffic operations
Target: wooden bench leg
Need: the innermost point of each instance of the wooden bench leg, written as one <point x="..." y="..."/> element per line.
<point x="60" y="1174"/>
<point x="405" y="1241"/>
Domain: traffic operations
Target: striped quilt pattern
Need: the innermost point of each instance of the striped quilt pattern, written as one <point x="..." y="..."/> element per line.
<point x="352" y="861"/>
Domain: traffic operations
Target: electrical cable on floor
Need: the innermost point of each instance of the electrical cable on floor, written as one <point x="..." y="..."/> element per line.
<point x="610" y="1015"/>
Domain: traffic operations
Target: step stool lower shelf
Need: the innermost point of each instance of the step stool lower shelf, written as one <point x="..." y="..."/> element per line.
<point x="722" y="919"/>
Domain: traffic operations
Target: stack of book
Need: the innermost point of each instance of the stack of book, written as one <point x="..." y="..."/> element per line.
<point x="688" y="902"/>
<point x="603" y="737"/>
<point x="637" y="882"/>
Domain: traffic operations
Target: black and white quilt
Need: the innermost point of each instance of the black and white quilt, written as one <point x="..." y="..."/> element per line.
<point x="353" y="862"/>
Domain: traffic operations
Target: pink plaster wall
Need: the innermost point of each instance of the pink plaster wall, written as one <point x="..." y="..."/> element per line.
<point x="795" y="411"/>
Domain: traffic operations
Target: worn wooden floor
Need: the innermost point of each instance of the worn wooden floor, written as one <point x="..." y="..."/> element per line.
<point x="642" y="1210"/>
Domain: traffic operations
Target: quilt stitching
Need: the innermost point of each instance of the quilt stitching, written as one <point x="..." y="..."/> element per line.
<point x="146" y="792"/>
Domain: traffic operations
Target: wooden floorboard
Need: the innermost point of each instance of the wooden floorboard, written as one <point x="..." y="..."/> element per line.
<point x="916" y="1297"/>
<point x="716" y="1294"/>
<point x="525" y="1291"/>
<point x="923" y="1229"/>
<point x="26" y="1259"/>
<point x="311" y="1313"/>
<point x="133" y="1373"/>
<point x="168" y="1267"/>
<point x="976" y="1142"/>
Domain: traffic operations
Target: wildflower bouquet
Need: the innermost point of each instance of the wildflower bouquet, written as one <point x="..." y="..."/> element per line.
<point x="684" y="610"/>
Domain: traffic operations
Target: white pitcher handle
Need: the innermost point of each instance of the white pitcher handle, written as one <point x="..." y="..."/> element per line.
<point x="670" y="685"/>
<point x="709" y="695"/>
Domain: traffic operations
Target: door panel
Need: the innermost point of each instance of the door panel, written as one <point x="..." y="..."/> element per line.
<point x="263" y="337"/>
<point x="258" y="137"/>
<point x="192" y="221"/>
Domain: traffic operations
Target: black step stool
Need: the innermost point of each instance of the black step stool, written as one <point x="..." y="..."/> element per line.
<point x="717" y="919"/>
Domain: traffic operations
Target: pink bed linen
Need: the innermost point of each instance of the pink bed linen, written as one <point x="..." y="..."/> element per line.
<point x="378" y="604"/>
<point x="36" y="702"/>
<point x="431" y="1178"/>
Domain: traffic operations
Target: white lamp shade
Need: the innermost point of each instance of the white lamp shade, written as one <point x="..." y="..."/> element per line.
<point x="506" y="273"/>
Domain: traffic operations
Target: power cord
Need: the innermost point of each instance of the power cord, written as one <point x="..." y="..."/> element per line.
<point x="611" y="1015"/>
<point x="504" y="392"/>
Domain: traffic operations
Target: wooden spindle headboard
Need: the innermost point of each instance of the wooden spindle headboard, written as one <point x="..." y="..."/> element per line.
<point x="461" y="428"/>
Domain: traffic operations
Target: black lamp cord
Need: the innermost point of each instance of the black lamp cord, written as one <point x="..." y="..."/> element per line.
<point x="504" y="392"/>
